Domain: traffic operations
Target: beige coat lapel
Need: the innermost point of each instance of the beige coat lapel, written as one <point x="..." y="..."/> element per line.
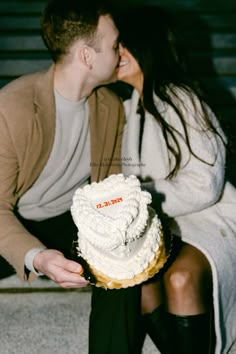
<point x="45" y="111"/>
<point x="42" y="118"/>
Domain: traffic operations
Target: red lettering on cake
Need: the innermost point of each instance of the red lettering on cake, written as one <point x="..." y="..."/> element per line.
<point x="110" y="202"/>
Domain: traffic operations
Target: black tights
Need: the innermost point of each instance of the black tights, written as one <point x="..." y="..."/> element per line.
<point x="185" y="294"/>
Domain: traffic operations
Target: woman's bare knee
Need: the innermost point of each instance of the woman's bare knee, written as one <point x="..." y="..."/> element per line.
<point x="178" y="280"/>
<point x="187" y="283"/>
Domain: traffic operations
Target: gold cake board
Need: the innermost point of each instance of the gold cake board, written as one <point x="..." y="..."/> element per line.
<point x="153" y="268"/>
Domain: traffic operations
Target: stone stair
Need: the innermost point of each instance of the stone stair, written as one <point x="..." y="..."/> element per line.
<point x="209" y="31"/>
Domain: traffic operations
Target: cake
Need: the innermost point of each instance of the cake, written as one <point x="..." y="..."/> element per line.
<point x="120" y="237"/>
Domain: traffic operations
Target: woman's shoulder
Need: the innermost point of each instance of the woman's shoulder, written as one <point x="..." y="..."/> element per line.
<point x="131" y="103"/>
<point x="190" y="105"/>
<point x="184" y="97"/>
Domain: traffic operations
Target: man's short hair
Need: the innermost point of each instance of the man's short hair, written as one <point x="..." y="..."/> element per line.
<point x="65" y="21"/>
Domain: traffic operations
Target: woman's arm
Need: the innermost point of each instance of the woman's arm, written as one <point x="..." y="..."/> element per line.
<point x="197" y="185"/>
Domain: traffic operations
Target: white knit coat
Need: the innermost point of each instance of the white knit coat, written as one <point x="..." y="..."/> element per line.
<point x="201" y="203"/>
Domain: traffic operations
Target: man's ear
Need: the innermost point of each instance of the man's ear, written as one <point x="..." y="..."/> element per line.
<point x="86" y="56"/>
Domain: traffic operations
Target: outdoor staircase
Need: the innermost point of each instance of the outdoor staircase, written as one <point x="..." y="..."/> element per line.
<point x="209" y="31"/>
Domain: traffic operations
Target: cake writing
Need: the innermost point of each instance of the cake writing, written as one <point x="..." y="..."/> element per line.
<point x="110" y="202"/>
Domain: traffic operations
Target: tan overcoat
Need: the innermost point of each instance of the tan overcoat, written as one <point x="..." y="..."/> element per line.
<point x="27" y="127"/>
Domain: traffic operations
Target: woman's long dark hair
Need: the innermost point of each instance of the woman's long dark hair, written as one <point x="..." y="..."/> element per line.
<point x="149" y="33"/>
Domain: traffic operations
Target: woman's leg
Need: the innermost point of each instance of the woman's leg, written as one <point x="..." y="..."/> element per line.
<point x="152" y="296"/>
<point x="187" y="289"/>
<point x="188" y="293"/>
<point x="153" y="304"/>
<point x="188" y="283"/>
<point x="154" y="315"/>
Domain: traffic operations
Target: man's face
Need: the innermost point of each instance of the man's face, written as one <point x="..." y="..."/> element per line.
<point x="106" y="56"/>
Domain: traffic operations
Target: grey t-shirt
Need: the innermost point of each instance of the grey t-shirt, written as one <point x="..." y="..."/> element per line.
<point x="68" y="166"/>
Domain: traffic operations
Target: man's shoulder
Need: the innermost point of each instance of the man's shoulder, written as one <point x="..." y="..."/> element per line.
<point x="109" y="95"/>
<point x="22" y="85"/>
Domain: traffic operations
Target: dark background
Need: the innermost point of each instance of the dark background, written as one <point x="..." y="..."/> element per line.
<point x="209" y="33"/>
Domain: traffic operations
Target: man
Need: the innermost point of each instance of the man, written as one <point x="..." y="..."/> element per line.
<point x="48" y="120"/>
<point x="57" y="133"/>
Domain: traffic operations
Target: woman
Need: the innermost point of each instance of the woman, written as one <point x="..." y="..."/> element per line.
<point x="177" y="149"/>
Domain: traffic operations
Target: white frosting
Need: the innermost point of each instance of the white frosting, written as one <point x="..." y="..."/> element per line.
<point x="119" y="233"/>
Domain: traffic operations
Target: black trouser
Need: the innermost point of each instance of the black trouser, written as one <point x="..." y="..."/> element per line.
<point x="115" y="321"/>
<point x="58" y="233"/>
<point x="115" y="315"/>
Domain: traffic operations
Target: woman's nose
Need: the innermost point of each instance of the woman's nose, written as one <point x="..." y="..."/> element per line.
<point x="121" y="49"/>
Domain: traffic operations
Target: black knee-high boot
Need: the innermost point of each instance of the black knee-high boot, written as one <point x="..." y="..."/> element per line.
<point x="154" y="324"/>
<point x="190" y="334"/>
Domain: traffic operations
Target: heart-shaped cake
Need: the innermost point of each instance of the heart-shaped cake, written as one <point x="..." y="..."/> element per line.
<point x="120" y="236"/>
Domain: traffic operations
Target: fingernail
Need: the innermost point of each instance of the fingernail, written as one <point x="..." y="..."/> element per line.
<point x="81" y="271"/>
<point x="78" y="270"/>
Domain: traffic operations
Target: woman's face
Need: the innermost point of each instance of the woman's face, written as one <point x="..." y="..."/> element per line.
<point x="129" y="70"/>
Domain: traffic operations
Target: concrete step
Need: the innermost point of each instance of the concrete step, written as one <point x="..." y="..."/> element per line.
<point x="42" y="318"/>
<point x="14" y="283"/>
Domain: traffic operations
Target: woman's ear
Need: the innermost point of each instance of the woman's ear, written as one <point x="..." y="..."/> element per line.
<point x="86" y="56"/>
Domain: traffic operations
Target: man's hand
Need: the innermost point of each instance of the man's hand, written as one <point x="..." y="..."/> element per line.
<point x="63" y="271"/>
